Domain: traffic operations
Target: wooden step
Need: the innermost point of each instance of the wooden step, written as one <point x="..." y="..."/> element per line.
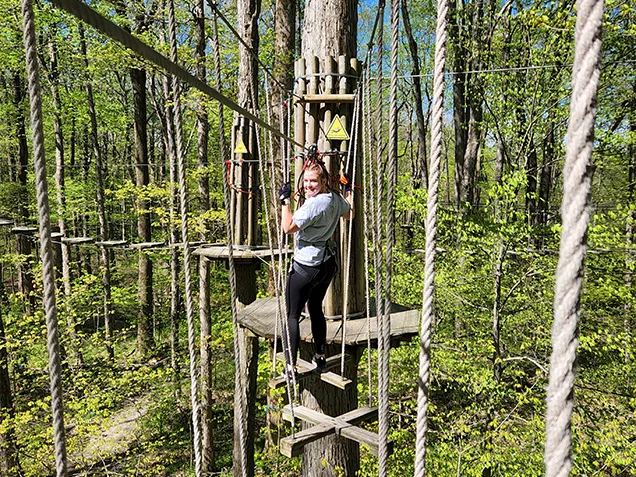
<point x="305" y="368"/>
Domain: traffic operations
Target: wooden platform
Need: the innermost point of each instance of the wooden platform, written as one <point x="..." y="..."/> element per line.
<point x="147" y="245"/>
<point x="5" y="222"/>
<point x="112" y="243"/>
<point x="259" y="317"/>
<point x="24" y="230"/>
<point x="77" y="240"/>
<point x="221" y="252"/>
<point x="323" y="425"/>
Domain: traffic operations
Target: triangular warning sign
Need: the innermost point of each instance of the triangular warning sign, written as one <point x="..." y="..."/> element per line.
<point x="240" y="147"/>
<point x="336" y="131"/>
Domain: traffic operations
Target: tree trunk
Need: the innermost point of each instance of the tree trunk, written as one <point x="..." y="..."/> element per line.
<point x="207" y="441"/>
<point x="9" y="462"/>
<point x="75" y="352"/>
<point x="25" y="275"/>
<point x="331" y="455"/>
<point x="101" y="210"/>
<point x="145" y="339"/>
<point x="421" y="176"/>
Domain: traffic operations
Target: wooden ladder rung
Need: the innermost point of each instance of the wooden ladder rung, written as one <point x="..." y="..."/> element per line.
<point x="305" y="368"/>
<point x="345" y="425"/>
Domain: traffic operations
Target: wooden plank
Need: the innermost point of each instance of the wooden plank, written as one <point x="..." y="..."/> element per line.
<point x="112" y="243"/>
<point x="5" y="222"/>
<point x="344" y="425"/>
<point x="77" y="240"/>
<point x="327" y="98"/>
<point x="293" y="446"/>
<point x="328" y="377"/>
<point x="312" y="416"/>
<point x="147" y="245"/>
<point x="23" y="229"/>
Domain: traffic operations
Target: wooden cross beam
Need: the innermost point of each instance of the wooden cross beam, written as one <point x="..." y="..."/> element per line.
<point x="305" y="368"/>
<point x="344" y="425"/>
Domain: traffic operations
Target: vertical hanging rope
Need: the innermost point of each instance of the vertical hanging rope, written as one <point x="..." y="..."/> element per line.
<point x="384" y="351"/>
<point x="575" y="210"/>
<point x="187" y="253"/>
<point x="428" y="311"/>
<point x="48" y="274"/>
<point x="223" y="149"/>
<point x="366" y="181"/>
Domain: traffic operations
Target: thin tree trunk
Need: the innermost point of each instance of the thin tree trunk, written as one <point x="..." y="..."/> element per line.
<point x="101" y="210"/>
<point x="9" y="461"/>
<point x="207" y="441"/>
<point x="422" y="172"/>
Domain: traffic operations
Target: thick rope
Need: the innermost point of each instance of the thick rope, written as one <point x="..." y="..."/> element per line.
<point x="428" y="311"/>
<point x="385" y="350"/>
<point x="575" y="210"/>
<point x="366" y="181"/>
<point x="352" y="156"/>
<point x="187" y="252"/>
<point x="223" y="149"/>
<point x="48" y="273"/>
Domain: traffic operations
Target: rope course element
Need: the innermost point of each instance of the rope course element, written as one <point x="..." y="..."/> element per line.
<point x="110" y="29"/>
<point x="187" y="252"/>
<point x="575" y="210"/>
<point x="223" y="150"/>
<point x="428" y="293"/>
<point x="48" y="273"/>
<point x="384" y="337"/>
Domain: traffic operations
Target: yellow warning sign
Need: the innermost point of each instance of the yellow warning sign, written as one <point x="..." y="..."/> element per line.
<point x="240" y="147"/>
<point x="336" y="131"/>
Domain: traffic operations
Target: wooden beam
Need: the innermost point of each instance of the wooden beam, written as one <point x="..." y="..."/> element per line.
<point x="292" y="446"/>
<point x="344" y="425"/>
<point x="327" y="98"/>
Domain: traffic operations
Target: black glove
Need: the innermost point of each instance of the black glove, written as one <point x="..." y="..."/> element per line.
<point x="284" y="192"/>
<point x="345" y="180"/>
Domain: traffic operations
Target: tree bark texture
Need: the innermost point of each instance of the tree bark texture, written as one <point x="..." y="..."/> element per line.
<point x="145" y="340"/>
<point x="330" y="28"/>
<point x="331" y="455"/>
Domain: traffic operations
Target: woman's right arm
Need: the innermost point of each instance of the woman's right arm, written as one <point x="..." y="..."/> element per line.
<point x="287" y="222"/>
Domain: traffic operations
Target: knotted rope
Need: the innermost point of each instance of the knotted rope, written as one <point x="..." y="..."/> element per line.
<point x="187" y="252"/>
<point x="575" y="210"/>
<point x="46" y="244"/>
<point x="428" y="293"/>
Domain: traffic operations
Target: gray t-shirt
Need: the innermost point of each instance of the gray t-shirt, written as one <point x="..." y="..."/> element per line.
<point x="317" y="219"/>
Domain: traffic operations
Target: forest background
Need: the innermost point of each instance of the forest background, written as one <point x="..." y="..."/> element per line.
<point x="125" y="378"/>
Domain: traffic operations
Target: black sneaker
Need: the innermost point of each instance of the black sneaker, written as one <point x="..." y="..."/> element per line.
<point x="320" y="362"/>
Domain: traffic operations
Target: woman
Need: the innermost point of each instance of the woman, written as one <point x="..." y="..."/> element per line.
<point x="314" y="263"/>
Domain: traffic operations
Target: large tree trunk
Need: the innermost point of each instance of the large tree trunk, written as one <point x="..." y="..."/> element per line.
<point x="332" y="454"/>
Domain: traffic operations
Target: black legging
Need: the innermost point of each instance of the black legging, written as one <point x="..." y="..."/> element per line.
<point x="308" y="286"/>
